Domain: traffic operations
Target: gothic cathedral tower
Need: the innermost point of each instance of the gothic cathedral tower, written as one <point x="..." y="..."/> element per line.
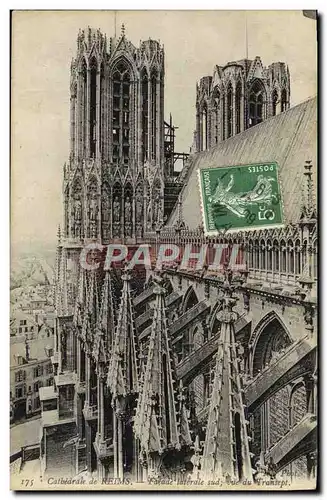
<point x="114" y="179"/>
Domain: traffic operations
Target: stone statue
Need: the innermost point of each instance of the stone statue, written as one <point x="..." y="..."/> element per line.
<point x="116" y="213"/>
<point x="128" y="211"/>
<point x="93" y="209"/>
<point x="78" y="209"/>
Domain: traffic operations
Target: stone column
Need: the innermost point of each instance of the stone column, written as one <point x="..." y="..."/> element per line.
<point x="242" y="111"/>
<point x="234" y="113"/>
<point x="198" y="131"/>
<point x="72" y="123"/>
<point x="98" y="115"/>
<point x="158" y="126"/>
<point x="201" y="132"/>
<point x="149" y="119"/>
<point x="87" y="124"/>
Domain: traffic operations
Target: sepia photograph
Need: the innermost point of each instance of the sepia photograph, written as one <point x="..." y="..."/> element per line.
<point x="164" y="250"/>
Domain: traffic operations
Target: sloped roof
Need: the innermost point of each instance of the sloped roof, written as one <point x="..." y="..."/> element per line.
<point x="289" y="138"/>
<point x="37" y="349"/>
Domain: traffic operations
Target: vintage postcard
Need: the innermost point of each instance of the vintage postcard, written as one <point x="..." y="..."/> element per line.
<point x="164" y="266"/>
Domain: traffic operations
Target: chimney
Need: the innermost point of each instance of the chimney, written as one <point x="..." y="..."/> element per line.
<point x="27" y="351"/>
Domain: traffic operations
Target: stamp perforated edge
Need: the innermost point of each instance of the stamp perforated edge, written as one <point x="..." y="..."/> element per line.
<point x="243" y="229"/>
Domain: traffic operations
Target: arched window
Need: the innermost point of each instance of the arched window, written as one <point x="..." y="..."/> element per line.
<point x="145" y="115"/>
<point x="283" y="101"/>
<point x="274" y="100"/>
<point x="154" y="115"/>
<point x="269" y="255"/>
<point x="84" y="101"/>
<point x="256" y="262"/>
<point x="250" y="254"/>
<point x="238" y="113"/>
<point x="290" y="255"/>
<point x="276" y="255"/>
<point x="262" y="254"/>
<point x="121" y="114"/>
<point x="216" y="105"/>
<point x="101" y="110"/>
<point x="256" y="104"/>
<point x="93" y="105"/>
<point x="229" y="110"/>
<point x="297" y="257"/>
<point x="283" y="256"/>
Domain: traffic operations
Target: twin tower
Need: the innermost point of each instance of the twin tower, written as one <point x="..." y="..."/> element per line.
<point x="114" y="180"/>
<point x="115" y="177"/>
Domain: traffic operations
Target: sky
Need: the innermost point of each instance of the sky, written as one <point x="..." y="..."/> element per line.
<point x="43" y="44"/>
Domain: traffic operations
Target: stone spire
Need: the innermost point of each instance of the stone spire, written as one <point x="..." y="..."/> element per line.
<point x="81" y="298"/>
<point x="105" y="327"/>
<point x="90" y="314"/>
<point x="123" y="374"/>
<point x="308" y="209"/>
<point x="226" y="451"/>
<point x="62" y="294"/>
<point x="156" y="423"/>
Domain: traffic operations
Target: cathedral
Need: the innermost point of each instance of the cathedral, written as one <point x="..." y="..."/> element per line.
<point x="181" y="375"/>
<point x="239" y="95"/>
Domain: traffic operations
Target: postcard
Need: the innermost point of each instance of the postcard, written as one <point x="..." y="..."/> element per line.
<point x="164" y="250"/>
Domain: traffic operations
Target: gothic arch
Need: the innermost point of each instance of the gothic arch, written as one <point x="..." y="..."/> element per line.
<point x="189" y="300"/>
<point x="126" y="61"/>
<point x="274" y="101"/>
<point x="213" y="323"/>
<point x="238" y="107"/>
<point x="229" y="106"/>
<point x="257" y="100"/>
<point x="269" y="335"/>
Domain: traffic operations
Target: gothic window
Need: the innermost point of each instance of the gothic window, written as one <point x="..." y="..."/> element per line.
<point x="283" y="103"/>
<point x="84" y="117"/>
<point x="276" y="255"/>
<point x="121" y="114"/>
<point x="216" y="104"/>
<point x="229" y="111"/>
<point x="256" y="254"/>
<point x="93" y="93"/>
<point x="297" y="256"/>
<point x="290" y="255"/>
<point x="269" y="255"/>
<point x="250" y="257"/>
<point x="153" y="115"/>
<point x="256" y="104"/>
<point x="101" y="108"/>
<point x="274" y="100"/>
<point x="282" y="256"/>
<point x="145" y="115"/>
<point x="263" y="254"/>
<point x="238" y="111"/>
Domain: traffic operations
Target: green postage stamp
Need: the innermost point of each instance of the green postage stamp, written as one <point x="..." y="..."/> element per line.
<point x="241" y="197"/>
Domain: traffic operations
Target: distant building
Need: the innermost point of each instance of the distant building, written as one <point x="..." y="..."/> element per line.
<point x="30" y="369"/>
<point x="23" y="324"/>
<point x="238" y="96"/>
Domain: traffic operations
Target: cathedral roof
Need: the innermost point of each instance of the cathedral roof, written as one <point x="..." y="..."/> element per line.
<point x="288" y="139"/>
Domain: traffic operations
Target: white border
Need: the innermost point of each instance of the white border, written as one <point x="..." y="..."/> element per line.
<point x="4" y="198"/>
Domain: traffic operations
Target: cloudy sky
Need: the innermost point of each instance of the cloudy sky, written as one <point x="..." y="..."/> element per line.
<point x="43" y="44"/>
